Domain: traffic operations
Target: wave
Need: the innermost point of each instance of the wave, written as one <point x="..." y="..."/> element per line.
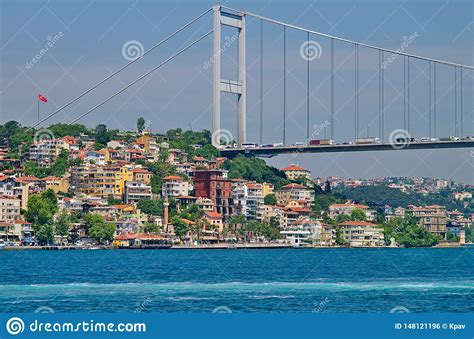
<point x="235" y="286"/>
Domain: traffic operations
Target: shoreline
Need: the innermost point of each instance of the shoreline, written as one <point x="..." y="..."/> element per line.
<point x="208" y="247"/>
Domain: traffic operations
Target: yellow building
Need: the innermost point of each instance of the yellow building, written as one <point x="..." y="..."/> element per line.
<point x="267" y="188"/>
<point x="57" y="184"/>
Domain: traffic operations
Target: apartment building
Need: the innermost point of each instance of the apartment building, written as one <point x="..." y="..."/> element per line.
<point x="433" y="218"/>
<point x="135" y="191"/>
<point x="174" y="186"/>
<point x="294" y="192"/>
<point x="362" y="234"/>
<point x="213" y="184"/>
<point x="9" y="209"/>
<point x="45" y="152"/>
<point x="294" y="172"/>
<point x="348" y="208"/>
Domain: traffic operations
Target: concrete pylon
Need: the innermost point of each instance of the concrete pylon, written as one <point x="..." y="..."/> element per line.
<point x="238" y="87"/>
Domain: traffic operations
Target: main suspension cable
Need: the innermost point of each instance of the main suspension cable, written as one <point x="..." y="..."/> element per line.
<point x="143" y="76"/>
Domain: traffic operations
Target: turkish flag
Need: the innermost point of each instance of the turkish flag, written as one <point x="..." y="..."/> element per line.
<point x="42" y="98"/>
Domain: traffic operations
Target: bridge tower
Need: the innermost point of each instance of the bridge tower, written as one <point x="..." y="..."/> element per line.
<point x="238" y="86"/>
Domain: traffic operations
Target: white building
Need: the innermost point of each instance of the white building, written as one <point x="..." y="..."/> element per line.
<point x="174" y="186"/>
<point x="362" y="234"/>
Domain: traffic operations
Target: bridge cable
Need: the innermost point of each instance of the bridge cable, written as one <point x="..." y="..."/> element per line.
<point x="261" y="82"/>
<point x="434" y="101"/>
<point x="332" y="88"/>
<point x="404" y="92"/>
<point x="144" y="75"/>
<point x="307" y="93"/>
<point x="380" y="94"/>
<point x="455" y="102"/>
<point x="383" y="99"/>
<point x="121" y="68"/>
<point x="346" y="40"/>
<point x="461" y="104"/>
<point x="408" y="95"/>
<point x="284" y="85"/>
<point x="429" y="97"/>
<point x="356" y="90"/>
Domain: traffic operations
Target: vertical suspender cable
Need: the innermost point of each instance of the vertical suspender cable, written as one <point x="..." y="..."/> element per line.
<point x="404" y="92"/>
<point x="332" y="88"/>
<point x="461" y="104"/>
<point x="284" y="85"/>
<point x="455" y="102"/>
<point x="429" y="97"/>
<point x="408" y="94"/>
<point x="261" y="82"/>
<point x="434" y="99"/>
<point x="380" y="94"/>
<point x="356" y="91"/>
<point x="307" y="91"/>
<point x="383" y="101"/>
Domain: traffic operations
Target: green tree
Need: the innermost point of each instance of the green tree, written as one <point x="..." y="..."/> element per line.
<point x="358" y="215"/>
<point x="101" y="135"/>
<point x="140" y="124"/>
<point x="270" y="199"/>
<point x="45" y="234"/>
<point x="61" y="226"/>
<point x="98" y="229"/>
<point x="180" y="227"/>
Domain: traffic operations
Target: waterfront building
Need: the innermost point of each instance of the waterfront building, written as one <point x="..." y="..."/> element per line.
<point x="433" y="218"/>
<point x="348" y="208"/>
<point x="362" y="234"/>
<point x="215" y="220"/>
<point x="9" y="208"/>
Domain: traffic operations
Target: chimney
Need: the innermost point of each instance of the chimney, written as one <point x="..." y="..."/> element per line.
<point x="166" y="205"/>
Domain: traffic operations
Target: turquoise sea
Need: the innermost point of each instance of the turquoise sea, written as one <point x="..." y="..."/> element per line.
<point x="284" y="280"/>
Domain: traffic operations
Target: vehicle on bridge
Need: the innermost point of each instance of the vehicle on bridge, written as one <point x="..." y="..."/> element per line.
<point x="317" y="142"/>
<point x="249" y="145"/>
<point x="368" y="140"/>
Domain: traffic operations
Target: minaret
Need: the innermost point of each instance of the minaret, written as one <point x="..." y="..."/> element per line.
<point x="165" y="214"/>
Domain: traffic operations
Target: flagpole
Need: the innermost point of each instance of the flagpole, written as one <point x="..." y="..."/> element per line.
<point x="38" y="108"/>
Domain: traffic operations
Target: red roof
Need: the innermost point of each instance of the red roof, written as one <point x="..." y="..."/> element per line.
<point x="294" y="168"/>
<point x="173" y="177"/>
<point x="292" y="186"/>
<point x="214" y="215"/>
<point x="357" y="223"/>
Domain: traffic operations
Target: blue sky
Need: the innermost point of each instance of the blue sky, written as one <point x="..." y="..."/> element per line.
<point x="92" y="34"/>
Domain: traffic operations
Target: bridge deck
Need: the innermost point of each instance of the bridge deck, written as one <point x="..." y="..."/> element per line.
<point x="273" y="151"/>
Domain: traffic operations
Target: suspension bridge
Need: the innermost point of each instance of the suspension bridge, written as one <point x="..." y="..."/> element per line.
<point x="400" y="137"/>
